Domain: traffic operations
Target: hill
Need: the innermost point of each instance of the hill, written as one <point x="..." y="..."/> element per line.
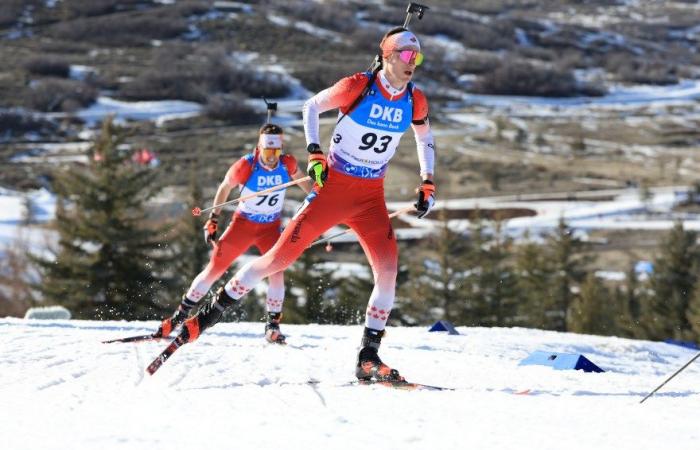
<point x="62" y="388"/>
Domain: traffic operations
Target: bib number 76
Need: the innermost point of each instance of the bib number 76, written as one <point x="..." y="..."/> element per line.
<point x="370" y="139"/>
<point x="272" y="202"/>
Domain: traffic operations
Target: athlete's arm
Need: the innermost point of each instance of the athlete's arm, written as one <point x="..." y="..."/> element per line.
<point x="340" y="95"/>
<point x="425" y="143"/>
<point x="222" y="194"/>
<point x="237" y="175"/>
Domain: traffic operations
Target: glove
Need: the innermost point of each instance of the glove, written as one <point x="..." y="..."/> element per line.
<point x="318" y="166"/>
<point x="426" y="198"/>
<point x="210" y="228"/>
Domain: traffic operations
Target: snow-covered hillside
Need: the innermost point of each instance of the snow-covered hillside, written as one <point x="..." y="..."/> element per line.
<point x="62" y="389"/>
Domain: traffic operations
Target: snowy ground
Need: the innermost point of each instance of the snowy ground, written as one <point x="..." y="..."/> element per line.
<point x="61" y="388"/>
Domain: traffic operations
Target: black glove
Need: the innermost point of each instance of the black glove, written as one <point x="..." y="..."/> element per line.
<point x="426" y="198"/>
<point x="211" y="227"/>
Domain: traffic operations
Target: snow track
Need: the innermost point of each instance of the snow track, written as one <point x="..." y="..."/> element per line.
<point x="61" y="388"/>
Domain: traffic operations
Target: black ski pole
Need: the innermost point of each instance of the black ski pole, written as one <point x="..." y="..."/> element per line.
<point x="671" y="377"/>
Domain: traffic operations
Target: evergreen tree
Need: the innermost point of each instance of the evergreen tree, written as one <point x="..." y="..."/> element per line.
<point x="564" y="251"/>
<point x="629" y="299"/>
<point x="692" y="315"/>
<point x="533" y="284"/>
<point x="593" y="311"/>
<point x="672" y="284"/>
<point x="190" y="253"/>
<point x="107" y="261"/>
<point x="433" y="289"/>
<point x="350" y="305"/>
<point x="490" y="283"/>
<point x="314" y="289"/>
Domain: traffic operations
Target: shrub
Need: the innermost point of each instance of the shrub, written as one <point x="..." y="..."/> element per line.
<point x="10" y="11"/>
<point x="196" y="76"/>
<point x="636" y="70"/>
<point x="61" y="95"/>
<point x="120" y="29"/>
<point x="231" y="109"/>
<point x="331" y="17"/>
<point x="518" y="78"/>
<point x="15" y="123"/>
<point x="48" y="66"/>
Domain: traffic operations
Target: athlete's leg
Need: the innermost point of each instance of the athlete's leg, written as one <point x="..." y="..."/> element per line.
<point x="373" y="228"/>
<point x="318" y="213"/>
<point x="376" y="236"/>
<point x="312" y="220"/>
<point x="275" y="288"/>
<point x="235" y="240"/>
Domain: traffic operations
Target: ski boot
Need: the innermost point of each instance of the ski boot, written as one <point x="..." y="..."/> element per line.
<point x="273" y="335"/>
<point x="209" y="315"/>
<point x="369" y="366"/>
<point x="168" y="325"/>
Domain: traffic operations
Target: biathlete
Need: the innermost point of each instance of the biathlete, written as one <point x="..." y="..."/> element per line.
<point x="256" y="223"/>
<point x="376" y="109"/>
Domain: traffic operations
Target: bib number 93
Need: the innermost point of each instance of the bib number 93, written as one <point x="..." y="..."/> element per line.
<point x="370" y="139"/>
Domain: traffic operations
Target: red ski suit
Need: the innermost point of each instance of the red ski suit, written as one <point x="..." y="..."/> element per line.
<point x="357" y="201"/>
<point x="241" y="234"/>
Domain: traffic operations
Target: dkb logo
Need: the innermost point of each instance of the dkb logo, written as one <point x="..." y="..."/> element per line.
<point x="386" y="113"/>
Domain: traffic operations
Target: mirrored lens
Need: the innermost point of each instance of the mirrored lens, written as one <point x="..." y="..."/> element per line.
<point x="411" y="57"/>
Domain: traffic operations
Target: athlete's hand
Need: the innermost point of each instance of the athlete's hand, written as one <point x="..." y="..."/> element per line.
<point x="426" y="198"/>
<point x="211" y="227"/>
<point x="318" y="166"/>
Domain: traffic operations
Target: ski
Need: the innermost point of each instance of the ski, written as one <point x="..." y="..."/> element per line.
<point x="404" y="385"/>
<point x="164" y="355"/>
<point x="139" y="338"/>
<point x="401" y="385"/>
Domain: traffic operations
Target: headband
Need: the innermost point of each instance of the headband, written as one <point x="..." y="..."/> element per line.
<point x="270" y="141"/>
<point x="399" y="40"/>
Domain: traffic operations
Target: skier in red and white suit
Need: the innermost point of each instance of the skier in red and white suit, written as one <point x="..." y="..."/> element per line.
<point x="256" y="223"/>
<point x="349" y="187"/>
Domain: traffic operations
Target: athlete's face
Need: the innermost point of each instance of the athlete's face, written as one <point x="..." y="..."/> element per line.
<point x="401" y="64"/>
<point x="270" y="157"/>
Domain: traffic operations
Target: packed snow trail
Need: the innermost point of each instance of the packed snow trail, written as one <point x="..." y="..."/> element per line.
<point x="62" y="388"/>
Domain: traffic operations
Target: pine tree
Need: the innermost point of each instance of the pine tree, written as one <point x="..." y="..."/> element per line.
<point x="533" y="284"/>
<point x="107" y="261"/>
<point x="350" y="305"/>
<point x="629" y="299"/>
<point x="314" y="289"/>
<point x="672" y="284"/>
<point x="567" y="273"/>
<point x="490" y="283"/>
<point x="594" y="310"/>
<point x="190" y="253"/>
<point x="692" y="315"/>
<point x="433" y="289"/>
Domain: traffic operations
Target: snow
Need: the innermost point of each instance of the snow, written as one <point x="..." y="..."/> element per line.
<point x="62" y="388"/>
<point x="158" y="111"/>
<point x="13" y="213"/>
<point x="80" y="72"/>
